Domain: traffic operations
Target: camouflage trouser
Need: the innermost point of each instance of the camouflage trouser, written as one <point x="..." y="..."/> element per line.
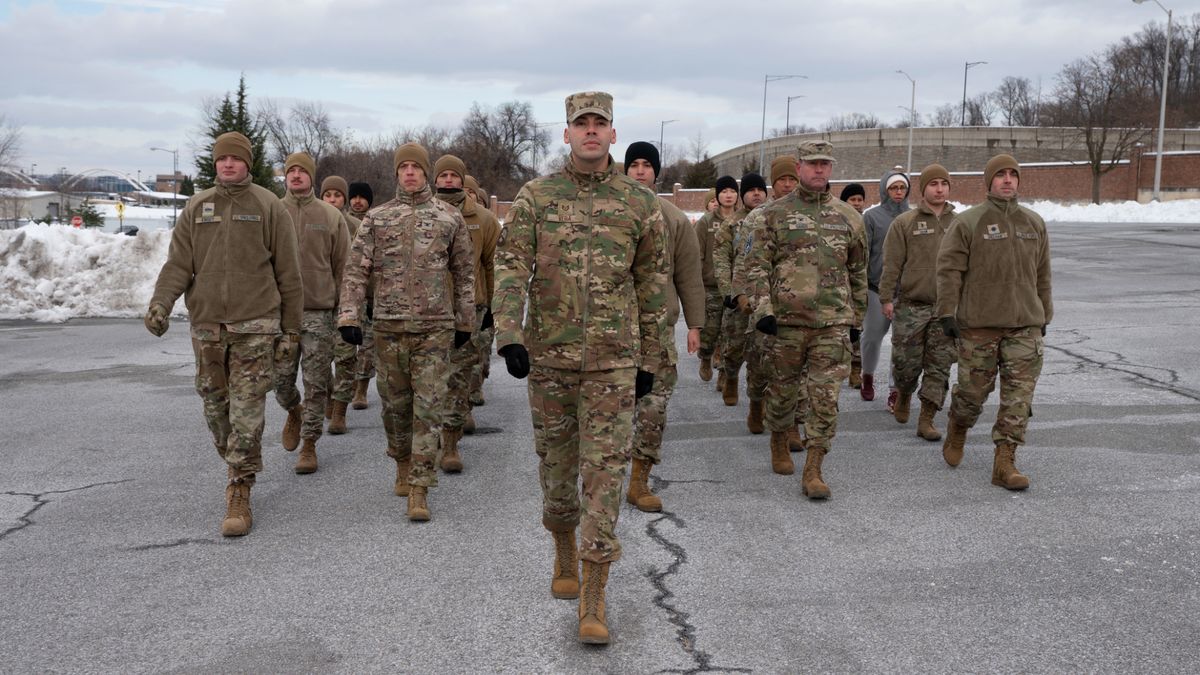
<point x="366" y="351"/>
<point x="582" y="424"/>
<point x="816" y="359"/>
<point x="733" y="332"/>
<point x="412" y="387"/>
<point x="482" y="339"/>
<point x="345" y="369"/>
<point x="233" y="375"/>
<point x="314" y="357"/>
<point x="856" y="355"/>
<point x="650" y="415"/>
<point x="919" y="345"/>
<point x="802" y="407"/>
<point x="759" y="370"/>
<point x="463" y="361"/>
<point x="1016" y="353"/>
<point x="714" y="311"/>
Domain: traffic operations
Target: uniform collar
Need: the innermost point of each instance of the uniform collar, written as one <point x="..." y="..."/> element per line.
<point x="589" y="177"/>
<point x="413" y="198"/>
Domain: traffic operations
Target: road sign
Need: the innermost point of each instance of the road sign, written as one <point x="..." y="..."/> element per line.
<point x="77" y="221"/>
<point x="120" y="209"/>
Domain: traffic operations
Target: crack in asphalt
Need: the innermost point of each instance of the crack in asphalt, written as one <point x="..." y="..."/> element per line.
<point x="171" y="544"/>
<point x="39" y="500"/>
<point x="1121" y="365"/>
<point x="685" y="631"/>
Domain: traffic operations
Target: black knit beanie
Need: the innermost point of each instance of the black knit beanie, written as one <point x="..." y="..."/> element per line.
<point x="726" y="183"/>
<point x="751" y="181"/>
<point x="643" y="150"/>
<point x="851" y="190"/>
<point x="362" y="190"/>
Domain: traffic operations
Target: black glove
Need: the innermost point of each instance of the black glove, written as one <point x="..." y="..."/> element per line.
<point x="855" y="335"/>
<point x="351" y="334"/>
<point x="488" y="321"/>
<point x="768" y="325"/>
<point x="730" y="302"/>
<point x="643" y="384"/>
<point x="1043" y="330"/>
<point x="516" y="359"/>
<point x="461" y="337"/>
<point x="371" y="311"/>
<point x="950" y="327"/>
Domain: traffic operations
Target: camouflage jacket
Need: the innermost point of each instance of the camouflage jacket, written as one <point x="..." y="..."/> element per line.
<point x="993" y="267"/>
<point x="588" y="251"/>
<point x="416" y="251"/>
<point x="485" y="231"/>
<point x="726" y="241"/>
<point x="806" y="261"/>
<point x="324" y="246"/>
<point x="706" y="231"/>
<point x="910" y="252"/>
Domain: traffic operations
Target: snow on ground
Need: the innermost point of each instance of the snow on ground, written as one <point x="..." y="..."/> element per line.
<point x="55" y="273"/>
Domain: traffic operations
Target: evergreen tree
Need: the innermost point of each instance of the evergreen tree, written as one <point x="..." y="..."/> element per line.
<point x="702" y="174"/>
<point x="87" y="211"/>
<point x="187" y="187"/>
<point x="233" y="114"/>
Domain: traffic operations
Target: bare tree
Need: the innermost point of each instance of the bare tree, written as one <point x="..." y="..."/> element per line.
<point x="307" y="127"/>
<point x="854" y="121"/>
<point x="10" y="142"/>
<point x="946" y="115"/>
<point x="1015" y="100"/>
<point x="502" y="147"/>
<point x="697" y="148"/>
<point x="1145" y="60"/>
<point x="980" y="110"/>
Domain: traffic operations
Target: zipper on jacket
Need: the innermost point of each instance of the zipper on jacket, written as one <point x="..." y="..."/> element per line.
<point x="587" y="278"/>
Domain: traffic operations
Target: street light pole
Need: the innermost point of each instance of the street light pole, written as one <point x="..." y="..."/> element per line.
<point x="912" y="121"/>
<point x="787" y="120"/>
<point x="762" y="143"/>
<point x="967" y="66"/>
<point x="1162" y="108"/>
<point x="174" y="181"/>
<point x="661" y="152"/>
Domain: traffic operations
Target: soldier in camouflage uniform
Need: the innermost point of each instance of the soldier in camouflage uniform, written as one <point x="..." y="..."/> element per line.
<point x="345" y="355"/>
<point x="734" y="325"/>
<point x="482" y="368"/>
<point x="806" y="261"/>
<point x="362" y="198"/>
<point x="855" y="195"/>
<point x="707" y="228"/>
<point x="417" y="251"/>
<point x="685" y="287"/>
<point x="234" y="258"/>
<point x="919" y="346"/>
<point x="587" y="248"/>
<point x="484" y="230"/>
<point x="324" y="238"/>
<point x="993" y="295"/>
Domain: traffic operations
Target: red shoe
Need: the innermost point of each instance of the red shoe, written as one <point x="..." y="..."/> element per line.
<point x="868" y="387"/>
<point x="891" y="404"/>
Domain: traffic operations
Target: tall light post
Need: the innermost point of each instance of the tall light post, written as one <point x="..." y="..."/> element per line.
<point x="967" y="66"/>
<point x="174" y="181"/>
<point x="1162" y="108"/>
<point x="912" y="121"/>
<point x="661" y="152"/>
<point x="787" y="120"/>
<point x="762" y="142"/>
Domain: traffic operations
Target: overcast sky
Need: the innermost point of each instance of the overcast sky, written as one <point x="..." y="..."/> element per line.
<point x="96" y="84"/>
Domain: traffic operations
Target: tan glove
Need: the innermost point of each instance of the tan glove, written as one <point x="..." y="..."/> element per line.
<point x="743" y="304"/>
<point x="157" y="321"/>
<point x="286" y="347"/>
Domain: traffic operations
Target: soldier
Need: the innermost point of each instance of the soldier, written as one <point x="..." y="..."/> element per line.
<point x="783" y="182"/>
<point x="993" y="296"/>
<point x="345" y="355"/>
<point x="324" y="240"/>
<point x="586" y="246"/>
<point x="417" y="251"/>
<point x="471" y="185"/>
<point x="710" y="201"/>
<point x="685" y="286"/>
<point x="893" y="200"/>
<point x="735" y="324"/>
<point x="233" y="256"/>
<point x="807" y="265"/>
<point x="362" y="197"/>
<point x="707" y="227"/>
<point x="484" y="230"/>
<point x="910" y="263"/>
<point x="482" y="368"/>
<point x="855" y="195"/>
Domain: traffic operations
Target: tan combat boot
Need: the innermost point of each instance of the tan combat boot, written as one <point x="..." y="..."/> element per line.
<point x="781" y="458"/>
<point x="403" y="466"/>
<point x="795" y="442"/>
<point x="337" y="423"/>
<point x="469" y="423"/>
<point x="593" y="625"/>
<point x="730" y="395"/>
<point x="329" y="408"/>
<point x="811" y="484"/>
<point x="639" y="487"/>
<point x="565" y="584"/>
<point x="1004" y="468"/>
<point x="418" y="508"/>
<point x="360" y="395"/>
<point x="855" y="374"/>
<point x="754" y="421"/>
<point x="721" y="381"/>
<point x="903" y="402"/>
<point x="237" y="520"/>
<point x="451" y="460"/>
<point x="291" y="428"/>
<point x="706" y="368"/>
<point x="925" y="428"/>
<point x="307" y="461"/>
<point x="952" y="447"/>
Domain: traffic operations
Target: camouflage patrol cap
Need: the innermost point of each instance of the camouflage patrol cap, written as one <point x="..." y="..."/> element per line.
<point x="597" y="102"/>
<point x="814" y="150"/>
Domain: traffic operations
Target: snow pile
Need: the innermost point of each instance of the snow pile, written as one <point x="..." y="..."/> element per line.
<point x="54" y="273"/>
<point x="1177" y="211"/>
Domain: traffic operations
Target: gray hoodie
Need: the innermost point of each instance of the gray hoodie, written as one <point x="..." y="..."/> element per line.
<point x="878" y="219"/>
